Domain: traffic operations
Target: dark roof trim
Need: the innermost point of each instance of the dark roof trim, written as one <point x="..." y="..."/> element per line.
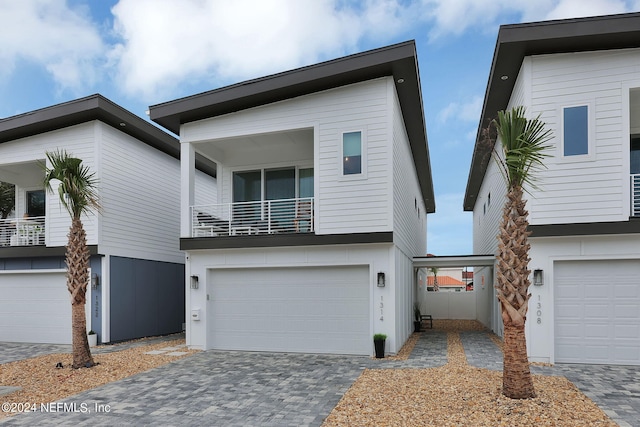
<point x="93" y="107"/>
<point x="280" y="240"/>
<point x="399" y="60"/>
<point x="515" y="42"/>
<point x="586" y="229"/>
<point x="454" y="261"/>
<point x="38" y="251"/>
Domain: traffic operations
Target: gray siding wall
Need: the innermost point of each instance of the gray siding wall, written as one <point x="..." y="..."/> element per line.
<point x="147" y="298"/>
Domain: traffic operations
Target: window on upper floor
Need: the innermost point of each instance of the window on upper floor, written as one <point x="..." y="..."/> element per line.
<point x="35" y="203"/>
<point x="635" y="154"/>
<point x="352" y="153"/>
<point x="575" y="132"/>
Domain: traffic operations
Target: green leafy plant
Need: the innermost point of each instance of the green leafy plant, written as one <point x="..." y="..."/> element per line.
<point x="91" y="332"/>
<point x="416" y="312"/>
<point x="379" y="337"/>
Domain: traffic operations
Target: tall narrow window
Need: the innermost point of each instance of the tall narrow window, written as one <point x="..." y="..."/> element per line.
<point x="635" y="154"/>
<point x="306" y="182"/>
<point x="246" y="188"/>
<point x="576" y="130"/>
<point x="35" y="203"/>
<point x="351" y="153"/>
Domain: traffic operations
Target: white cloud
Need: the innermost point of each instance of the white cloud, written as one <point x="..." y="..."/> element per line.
<point x="468" y="111"/>
<point x="456" y="17"/>
<point x="580" y="8"/>
<point x="169" y="41"/>
<point x="50" y="34"/>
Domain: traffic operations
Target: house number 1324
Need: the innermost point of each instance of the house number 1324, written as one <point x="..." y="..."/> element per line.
<point x="539" y="310"/>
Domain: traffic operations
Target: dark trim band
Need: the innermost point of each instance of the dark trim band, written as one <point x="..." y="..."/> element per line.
<point x="38" y="251"/>
<point x="586" y="229"/>
<point x="281" y="240"/>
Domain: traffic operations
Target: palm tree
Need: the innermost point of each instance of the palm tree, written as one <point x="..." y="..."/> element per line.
<point x="523" y="145"/>
<point x="435" y="270"/>
<point x="78" y="195"/>
<point x="7" y="199"/>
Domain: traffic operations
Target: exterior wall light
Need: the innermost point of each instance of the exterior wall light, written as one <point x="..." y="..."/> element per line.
<point x="194" y="281"/>
<point x="381" y="280"/>
<point x="95" y="281"/>
<point x="537" y="277"/>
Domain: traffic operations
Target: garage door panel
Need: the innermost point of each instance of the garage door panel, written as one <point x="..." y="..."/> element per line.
<point x="318" y="309"/>
<point x="630" y="290"/>
<point x="35" y="308"/>
<point x="597" y="312"/>
<point x="568" y="291"/>
<point x="595" y="291"/>
<point x="626" y="332"/>
<point x="626" y="311"/>
<point x="597" y="331"/>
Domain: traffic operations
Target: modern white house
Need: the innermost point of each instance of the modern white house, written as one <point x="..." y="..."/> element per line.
<point x="137" y="268"/>
<point x="324" y="186"/>
<point x="582" y="76"/>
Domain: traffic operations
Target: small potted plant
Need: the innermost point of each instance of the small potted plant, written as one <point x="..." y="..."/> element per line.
<point x="378" y="343"/>
<point x="417" y="319"/>
<point x="93" y="338"/>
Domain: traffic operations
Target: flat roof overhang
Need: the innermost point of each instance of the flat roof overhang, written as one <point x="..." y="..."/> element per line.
<point x="399" y="61"/>
<point x="515" y="42"/>
<point x="454" y="261"/>
<point x="89" y="108"/>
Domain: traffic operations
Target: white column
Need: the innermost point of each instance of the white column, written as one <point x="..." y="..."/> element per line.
<point x="187" y="184"/>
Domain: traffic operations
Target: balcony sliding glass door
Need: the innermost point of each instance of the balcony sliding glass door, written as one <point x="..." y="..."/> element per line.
<point x="274" y="192"/>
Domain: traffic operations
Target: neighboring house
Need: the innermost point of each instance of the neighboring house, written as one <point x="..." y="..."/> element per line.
<point x="137" y="269"/>
<point x="324" y="186"/>
<point x="445" y="284"/>
<point x="582" y="76"/>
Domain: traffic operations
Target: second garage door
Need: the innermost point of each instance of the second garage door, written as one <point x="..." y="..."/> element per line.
<point x="35" y="308"/>
<point x="311" y="310"/>
<point x="597" y="312"/>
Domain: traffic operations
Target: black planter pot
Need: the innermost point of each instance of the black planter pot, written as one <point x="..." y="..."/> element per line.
<point x="416" y="327"/>
<point x="379" y="346"/>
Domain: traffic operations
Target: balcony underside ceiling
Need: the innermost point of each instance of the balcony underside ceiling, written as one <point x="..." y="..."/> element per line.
<point x="26" y="175"/>
<point x="293" y="147"/>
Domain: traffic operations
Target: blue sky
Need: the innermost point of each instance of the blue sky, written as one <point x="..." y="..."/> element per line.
<point x="142" y="52"/>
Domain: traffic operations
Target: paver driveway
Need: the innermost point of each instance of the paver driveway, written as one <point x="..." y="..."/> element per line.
<point x="217" y="388"/>
<point x="267" y="389"/>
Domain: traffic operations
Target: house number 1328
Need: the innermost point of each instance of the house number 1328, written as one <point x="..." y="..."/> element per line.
<point x="539" y="310"/>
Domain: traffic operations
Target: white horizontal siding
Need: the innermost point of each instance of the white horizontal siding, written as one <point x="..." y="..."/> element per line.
<point x="594" y="189"/>
<point x="487" y="212"/>
<point x="206" y="189"/>
<point x="409" y="212"/>
<point x="140" y="195"/>
<point x="79" y="141"/>
<point x="342" y="205"/>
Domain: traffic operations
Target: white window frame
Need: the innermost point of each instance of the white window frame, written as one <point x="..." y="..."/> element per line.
<point x="590" y="133"/>
<point x="363" y="156"/>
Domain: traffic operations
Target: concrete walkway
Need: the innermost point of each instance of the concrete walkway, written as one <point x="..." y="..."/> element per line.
<point x="278" y="389"/>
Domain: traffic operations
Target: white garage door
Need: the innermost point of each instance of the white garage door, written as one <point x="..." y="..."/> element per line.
<point x="597" y="312"/>
<point x="309" y="310"/>
<point x="35" y="308"/>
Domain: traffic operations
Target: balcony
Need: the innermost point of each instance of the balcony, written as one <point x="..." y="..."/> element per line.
<point x="253" y="218"/>
<point x="22" y="231"/>
<point x="635" y="195"/>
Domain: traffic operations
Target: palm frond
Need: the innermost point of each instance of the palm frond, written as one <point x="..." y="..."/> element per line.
<point x="77" y="189"/>
<point x="524" y="145"/>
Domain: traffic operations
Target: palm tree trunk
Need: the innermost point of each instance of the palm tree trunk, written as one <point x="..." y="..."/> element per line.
<point x="77" y="258"/>
<point x="80" y="343"/>
<point x="512" y="275"/>
<point x="516" y="376"/>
